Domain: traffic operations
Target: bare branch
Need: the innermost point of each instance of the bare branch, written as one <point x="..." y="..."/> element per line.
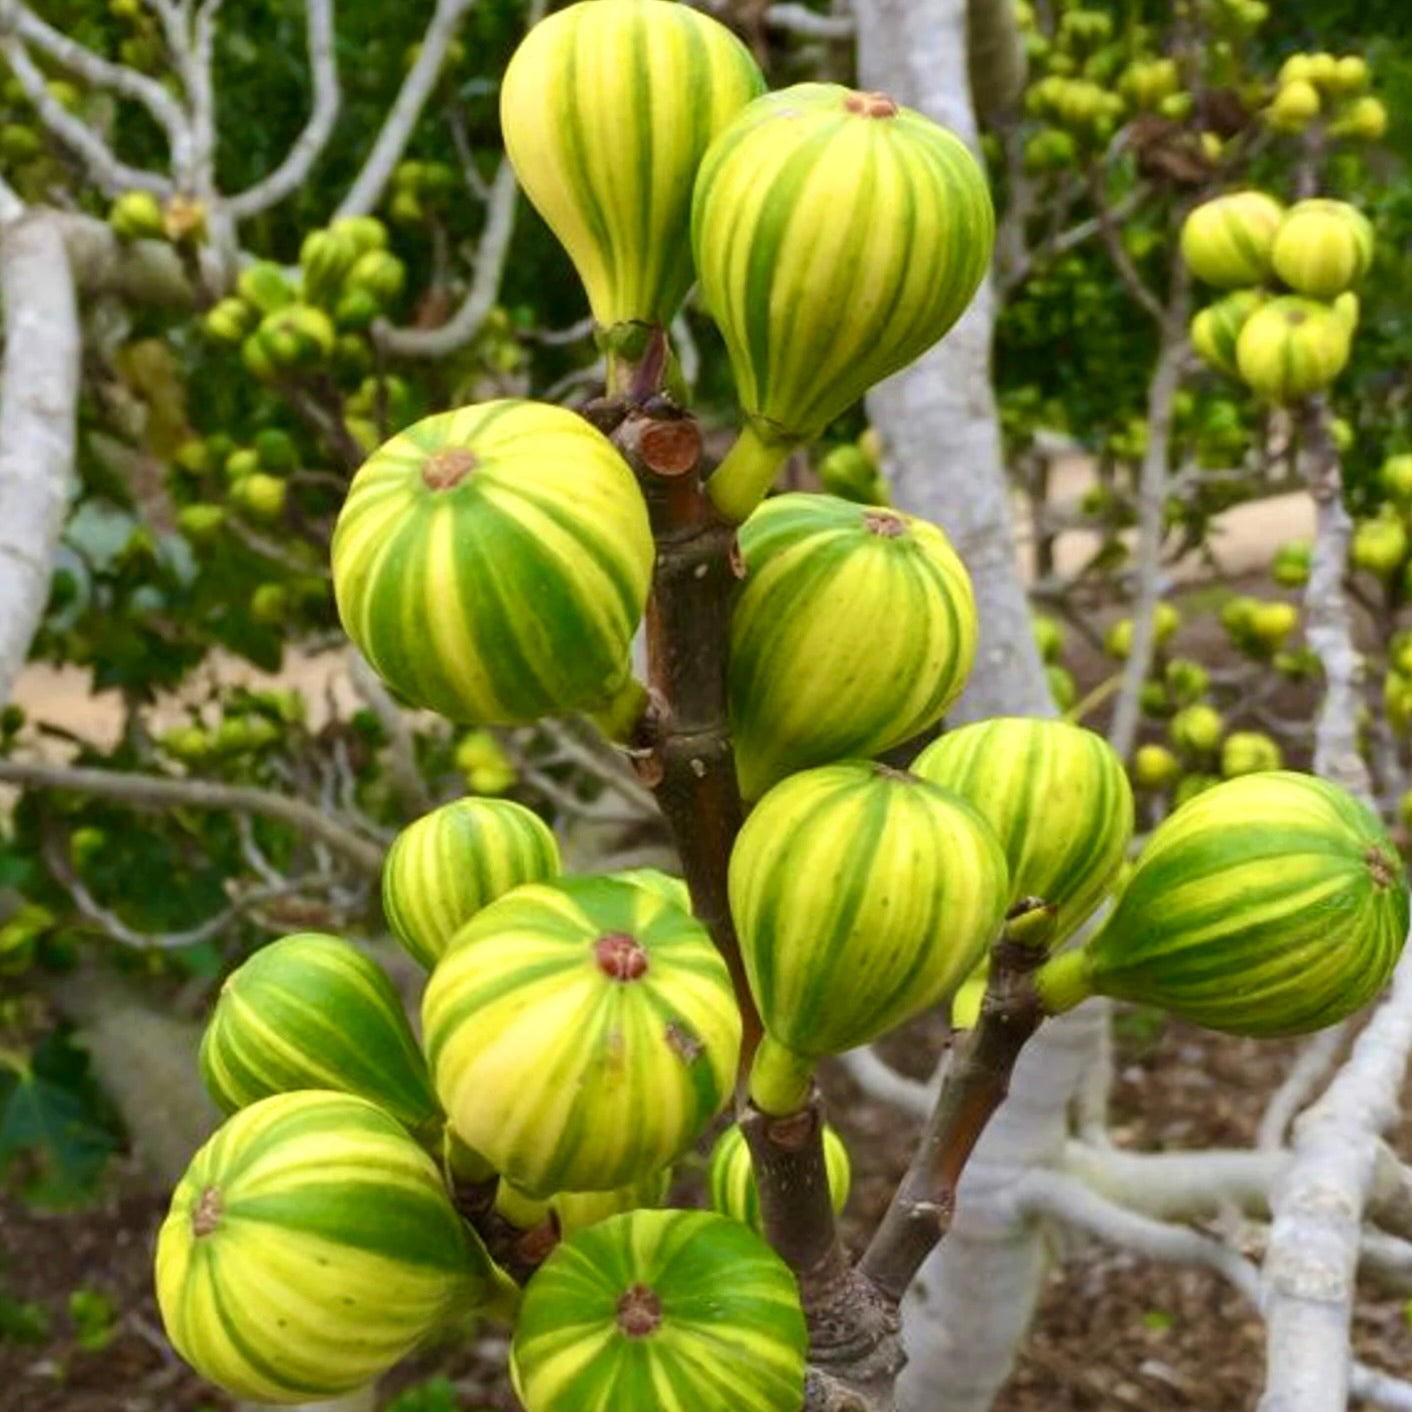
<point x="406" y="778"/>
<point x="1151" y="517"/>
<point x="18" y="19"/>
<point x="161" y="792"/>
<point x="11" y="206"/>
<point x="1133" y="282"/>
<point x="799" y="19"/>
<point x="480" y="299"/>
<point x="1312" y="1258"/>
<point x="1066" y="1199"/>
<point x="1381" y="1389"/>
<point x="1307" y="1072"/>
<point x="291" y="173"/>
<point x="367" y="188"/>
<point x="114" y="927"/>
<point x="1178" y="1185"/>
<point x="111" y="175"/>
<point x="1328" y="623"/>
<point x="881" y="1082"/>
<point x="38" y="415"/>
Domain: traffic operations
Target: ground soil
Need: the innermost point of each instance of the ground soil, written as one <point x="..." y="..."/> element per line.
<point x="1113" y="1332"/>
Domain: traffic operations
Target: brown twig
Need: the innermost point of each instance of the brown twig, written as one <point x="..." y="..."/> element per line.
<point x="925" y="1202"/>
<point x="685" y="753"/>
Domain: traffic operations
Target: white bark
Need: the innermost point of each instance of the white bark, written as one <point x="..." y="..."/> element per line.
<point x="973" y="1301"/>
<point x="38" y="415"/>
<point x="391" y="142"/>
<point x="491" y="255"/>
<point x="294" y="170"/>
<point x="1312" y="1260"/>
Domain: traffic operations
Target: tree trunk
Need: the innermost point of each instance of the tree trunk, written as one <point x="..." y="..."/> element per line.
<point x="973" y="1301"/>
<point x="38" y="413"/>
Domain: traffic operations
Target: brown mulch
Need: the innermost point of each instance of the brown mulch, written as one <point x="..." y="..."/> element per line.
<point x="1113" y="1332"/>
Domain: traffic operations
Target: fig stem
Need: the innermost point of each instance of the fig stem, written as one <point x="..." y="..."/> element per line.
<point x="923" y="1205"/>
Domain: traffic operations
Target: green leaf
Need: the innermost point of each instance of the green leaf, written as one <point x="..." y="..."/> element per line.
<point x="52" y="1128"/>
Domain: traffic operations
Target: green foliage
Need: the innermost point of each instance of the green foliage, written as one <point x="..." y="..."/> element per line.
<point x="56" y="1130"/>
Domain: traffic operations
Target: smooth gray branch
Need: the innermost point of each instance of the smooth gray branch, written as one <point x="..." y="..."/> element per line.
<point x="1307" y="1072"/>
<point x="1151" y="517"/>
<point x="491" y="255"/>
<point x="799" y="19"/>
<point x="112" y="176"/>
<point x="159" y="792"/>
<point x="367" y="188"/>
<point x="39" y="380"/>
<point x="1312" y="1259"/>
<point x="18" y="19"/>
<point x="292" y="172"/>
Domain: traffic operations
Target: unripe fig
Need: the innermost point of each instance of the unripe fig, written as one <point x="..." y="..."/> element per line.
<point x="1155" y="767"/>
<point x="1322" y="248"/>
<point x="803" y="190"/>
<point x="1226" y="241"/>
<point x="1273" y="904"/>
<point x="1292" y="347"/>
<point x="610" y="163"/>
<point x="1196" y="730"/>
<point x="135" y="215"/>
<point x="1248" y="753"/>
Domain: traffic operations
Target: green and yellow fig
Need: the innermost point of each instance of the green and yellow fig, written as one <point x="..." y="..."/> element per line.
<point x="582" y="1033"/>
<point x="260" y="495"/>
<point x="575" y="1210"/>
<point x="1057" y="798"/>
<point x="1196" y="730"/>
<point x="442" y="869"/>
<point x="366" y="232"/>
<point x="1226" y="241"/>
<point x="1296" y="104"/>
<point x="1292" y="347"/>
<point x="730" y="1176"/>
<point x="135" y="215"/>
<point x="1215" y="329"/>
<point x="229" y="320"/>
<point x="1272" y="904"/>
<point x="679" y="1311"/>
<point x="1155" y="767"/>
<point x="309" y="1247"/>
<point x="1395" y="475"/>
<point x="1379" y="546"/>
<point x="854" y="629"/>
<point x="861" y="896"/>
<point x="1290" y="566"/>
<point x="848" y="472"/>
<point x="837" y="236"/>
<point x="325" y="257"/>
<point x="312" y="1011"/>
<point x="1322" y="248"/>
<point x="1248" y="753"/>
<point x="379" y="273"/>
<point x="492" y="563"/>
<point x="607" y="110"/>
<point x="297" y="336"/>
<point x="264" y="285"/>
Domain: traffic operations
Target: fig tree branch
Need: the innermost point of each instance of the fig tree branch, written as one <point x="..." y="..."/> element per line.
<point x="1307" y="1072"/>
<point x="18" y="19"/>
<point x="976" y="1084"/>
<point x="1128" y="273"/>
<point x="294" y="170"/>
<point x="491" y="255"/>
<point x="112" y="176"/>
<point x="1312" y="1259"/>
<point x="1151" y="515"/>
<point x="159" y="792"/>
<point x="39" y="379"/>
<point x="113" y="926"/>
<point x="406" y="109"/>
<point x="11" y="207"/>
<point x="1328" y="623"/>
